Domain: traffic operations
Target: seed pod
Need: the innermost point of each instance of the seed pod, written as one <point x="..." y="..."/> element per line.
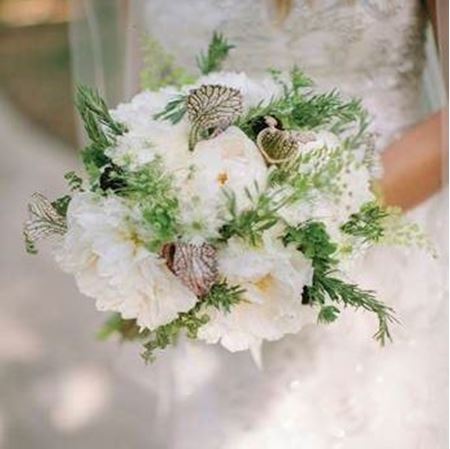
<point x="277" y="146"/>
<point x="194" y="265"/>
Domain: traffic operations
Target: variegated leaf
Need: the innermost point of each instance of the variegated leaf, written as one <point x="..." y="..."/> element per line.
<point x="43" y="221"/>
<point x="194" y="265"/>
<point x="212" y="106"/>
<point x="277" y="146"/>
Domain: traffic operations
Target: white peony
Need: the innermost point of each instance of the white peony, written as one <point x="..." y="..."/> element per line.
<point x="102" y="249"/>
<point x="231" y="162"/>
<point x="273" y="277"/>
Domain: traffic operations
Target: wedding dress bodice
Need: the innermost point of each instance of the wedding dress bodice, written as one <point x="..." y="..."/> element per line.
<point x="328" y="387"/>
<point x="372" y="49"/>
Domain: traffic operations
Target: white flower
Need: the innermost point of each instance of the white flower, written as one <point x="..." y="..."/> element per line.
<point x="136" y="113"/>
<point x="273" y="277"/>
<point x="102" y="249"/>
<point x="229" y="161"/>
<point x="147" y="137"/>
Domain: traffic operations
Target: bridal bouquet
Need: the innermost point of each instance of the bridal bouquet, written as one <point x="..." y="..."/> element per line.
<point x="229" y="210"/>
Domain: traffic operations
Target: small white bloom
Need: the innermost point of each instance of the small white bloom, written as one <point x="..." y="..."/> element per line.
<point x="102" y="249"/>
<point x="136" y="113"/>
<point x="273" y="277"/>
<point x="147" y="137"/>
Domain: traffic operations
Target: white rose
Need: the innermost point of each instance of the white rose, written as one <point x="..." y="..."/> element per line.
<point x="273" y="277"/>
<point x="103" y="250"/>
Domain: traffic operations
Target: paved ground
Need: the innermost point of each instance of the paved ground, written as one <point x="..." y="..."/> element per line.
<point x="58" y="386"/>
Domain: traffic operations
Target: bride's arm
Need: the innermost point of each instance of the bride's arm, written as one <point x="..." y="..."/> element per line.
<point x="413" y="165"/>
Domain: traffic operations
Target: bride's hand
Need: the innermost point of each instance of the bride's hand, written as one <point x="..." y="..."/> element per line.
<point x="414" y="166"/>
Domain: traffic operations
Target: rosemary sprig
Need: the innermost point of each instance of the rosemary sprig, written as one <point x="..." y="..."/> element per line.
<point x="223" y="296"/>
<point x="218" y="50"/>
<point x="313" y="241"/>
<point x="100" y="127"/>
<point x="299" y="107"/>
<point x="174" y="110"/>
<point x="168" y="334"/>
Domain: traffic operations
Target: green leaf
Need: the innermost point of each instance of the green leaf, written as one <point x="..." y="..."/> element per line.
<point x="328" y="314"/>
<point x="223" y="296"/>
<point x="250" y="223"/>
<point x="174" y="111"/>
<point x="368" y="223"/>
<point x="168" y="334"/>
<point x="100" y="127"/>
<point x="151" y="188"/>
<point x="217" y="52"/>
<point x="300" y="108"/>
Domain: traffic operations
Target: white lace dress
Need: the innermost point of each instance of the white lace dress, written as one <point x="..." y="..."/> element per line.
<point x="327" y="387"/>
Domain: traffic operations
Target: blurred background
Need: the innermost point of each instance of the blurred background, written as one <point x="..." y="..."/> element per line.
<point x="59" y="386"/>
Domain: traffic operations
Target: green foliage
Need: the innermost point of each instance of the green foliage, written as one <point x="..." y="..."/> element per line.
<point x="318" y="169"/>
<point x="174" y="110"/>
<point x="223" y="296"/>
<point x="313" y="241"/>
<point x="159" y="67"/>
<point x="328" y="314"/>
<point x="100" y="127"/>
<point x="298" y="107"/>
<point x="327" y="287"/>
<point x="152" y="189"/>
<point x="368" y="223"/>
<point x="74" y="181"/>
<point x="378" y="224"/>
<point x="218" y="50"/>
<point x="250" y="223"/>
<point x="61" y="205"/>
<point x="168" y="334"/>
<point x="127" y="329"/>
<point x="94" y="159"/>
<point x="398" y="230"/>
